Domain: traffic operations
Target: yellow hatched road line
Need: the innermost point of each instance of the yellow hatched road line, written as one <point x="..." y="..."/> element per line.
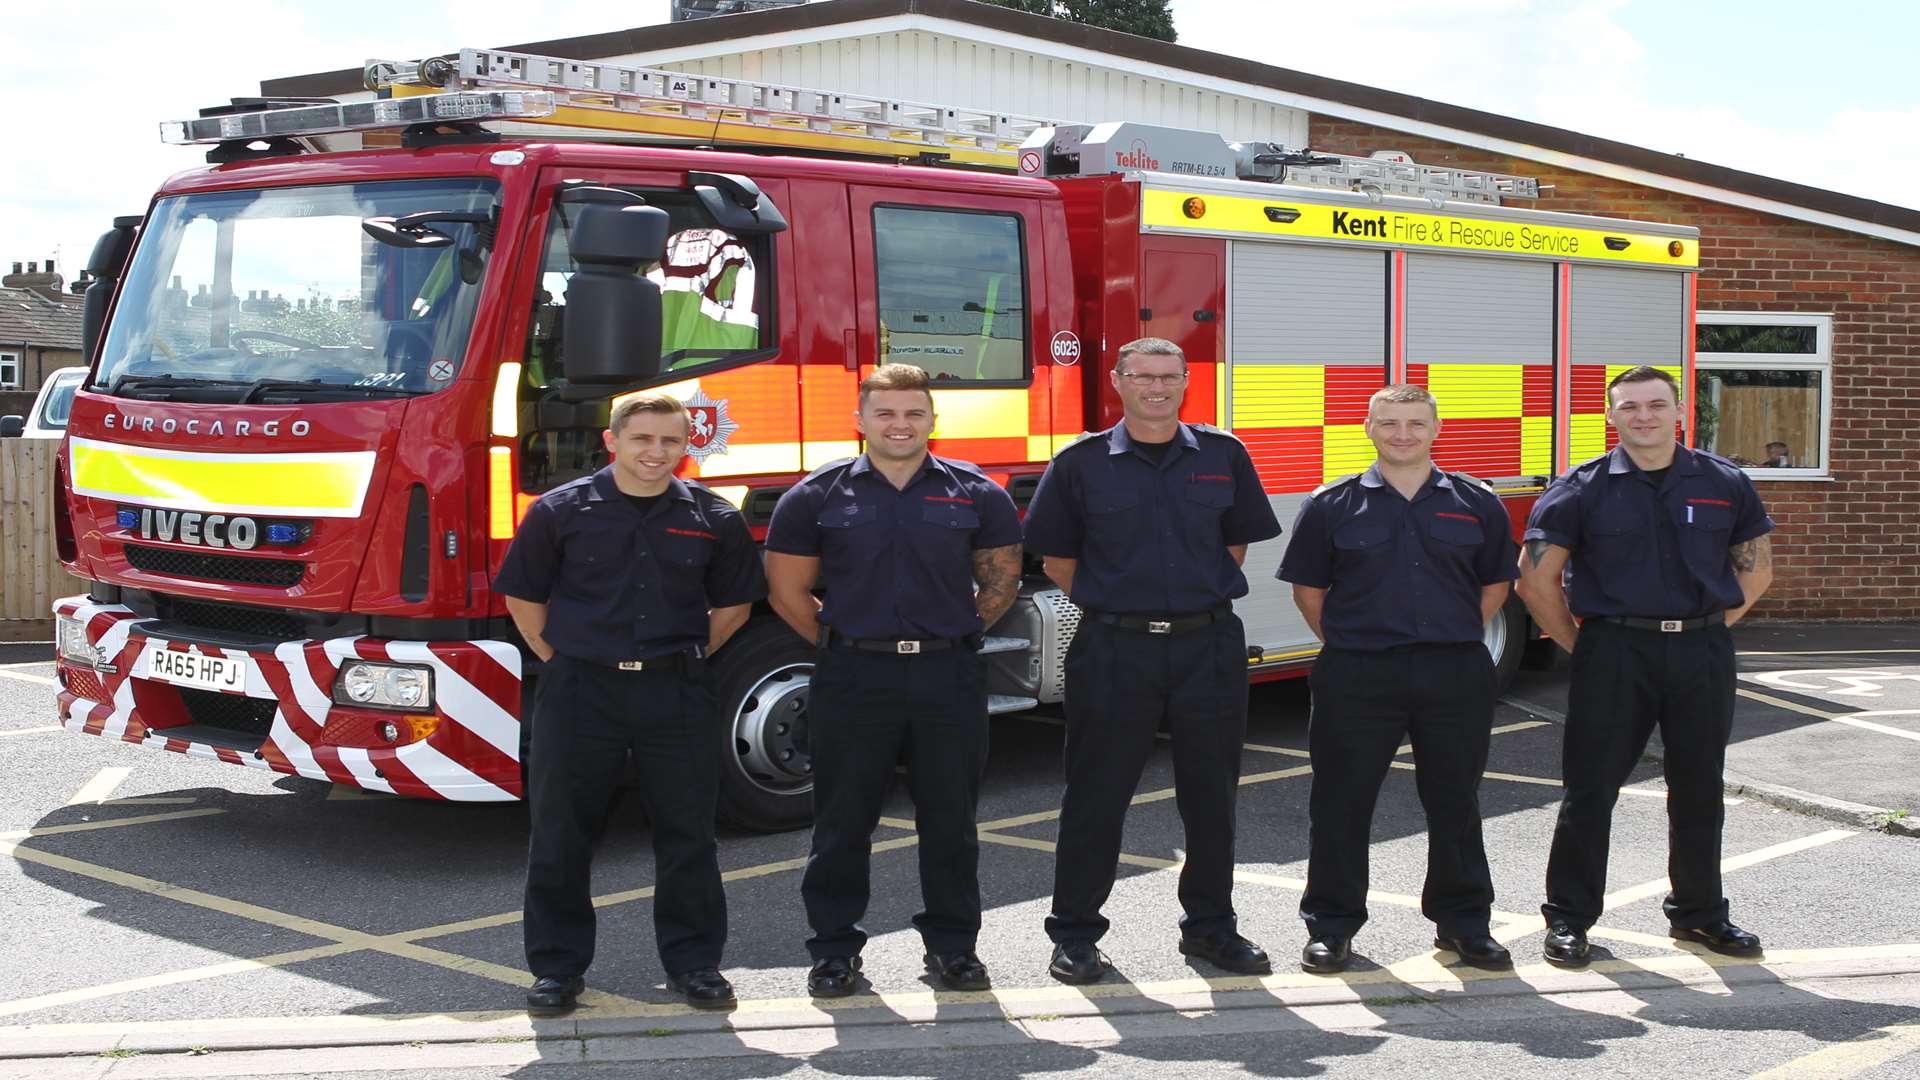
<point x="1878" y="1047"/>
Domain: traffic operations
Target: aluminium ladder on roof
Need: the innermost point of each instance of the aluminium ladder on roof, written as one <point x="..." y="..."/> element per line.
<point x="653" y="101"/>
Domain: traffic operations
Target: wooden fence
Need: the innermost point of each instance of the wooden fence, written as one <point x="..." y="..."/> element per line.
<point x="31" y="576"/>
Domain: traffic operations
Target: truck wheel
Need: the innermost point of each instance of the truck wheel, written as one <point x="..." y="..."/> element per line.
<point x="766" y="774"/>
<point x="1506" y="636"/>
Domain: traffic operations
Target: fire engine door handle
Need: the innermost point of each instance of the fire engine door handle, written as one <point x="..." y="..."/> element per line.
<point x="1203" y="315"/>
<point x="851" y="341"/>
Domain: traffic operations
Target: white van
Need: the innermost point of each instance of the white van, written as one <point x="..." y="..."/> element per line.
<point x="48" y="417"/>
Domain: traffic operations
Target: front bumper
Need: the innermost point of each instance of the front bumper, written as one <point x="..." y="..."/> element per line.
<point x="286" y="720"/>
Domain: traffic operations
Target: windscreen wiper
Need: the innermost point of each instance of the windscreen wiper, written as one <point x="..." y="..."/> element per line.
<point x="167" y="381"/>
<point x="259" y="386"/>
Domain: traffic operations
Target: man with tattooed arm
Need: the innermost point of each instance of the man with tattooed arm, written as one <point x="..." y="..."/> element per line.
<point x="1663" y="549"/>
<point x="898" y="538"/>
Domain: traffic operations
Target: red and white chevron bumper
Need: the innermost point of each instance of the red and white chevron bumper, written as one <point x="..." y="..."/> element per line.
<point x="467" y="749"/>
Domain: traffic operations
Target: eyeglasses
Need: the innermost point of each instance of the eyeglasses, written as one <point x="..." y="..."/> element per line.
<point x="1138" y="378"/>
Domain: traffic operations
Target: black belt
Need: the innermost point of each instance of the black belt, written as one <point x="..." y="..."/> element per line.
<point x="679" y="661"/>
<point x="1159" y="624"/>
<point x="902" y="647"/>
<point x="1666" y="626"/>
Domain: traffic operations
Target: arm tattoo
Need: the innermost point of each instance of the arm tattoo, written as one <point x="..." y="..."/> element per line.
<point x="1536" y="551"/>
<point x="1753" y="555"/>
<point x="997" y="570"/>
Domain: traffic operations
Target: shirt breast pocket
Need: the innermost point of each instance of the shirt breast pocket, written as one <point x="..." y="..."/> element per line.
<point x="1360" y="543"/>
<point x="1104" y="503"/>
<point x="1463" y="530"/>
<point x="1616" y="540"/>
<point x="1706" y="515"/>
<point x="688" y="545"/>
<point x="948" y="515"/>
<point x="846" y="517"/>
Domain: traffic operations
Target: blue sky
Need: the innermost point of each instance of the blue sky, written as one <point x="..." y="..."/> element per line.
<point x="1824" y="95"/>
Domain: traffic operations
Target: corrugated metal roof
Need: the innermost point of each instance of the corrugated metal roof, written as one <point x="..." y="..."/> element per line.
<point x="27" y="318"/>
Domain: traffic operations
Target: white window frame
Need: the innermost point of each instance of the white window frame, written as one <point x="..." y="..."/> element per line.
<point x="1820" y="360"/>
<point x="15" y="363"/>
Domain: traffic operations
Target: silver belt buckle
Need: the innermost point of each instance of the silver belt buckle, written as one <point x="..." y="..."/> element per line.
<point x="1154" y="626"/>
<point x="632" y="665"/>
<point x="906" y="647"/>
<point x="1672" y="626"/>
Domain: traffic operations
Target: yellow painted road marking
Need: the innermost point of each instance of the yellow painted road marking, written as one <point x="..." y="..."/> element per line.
<point x="296" y="923"/>
<point x="97" y="789"/>
<point x="172" y="978"/>
<point x="1851" y="1058"/>
<point x="31" y="730"/>
<point x="1017" y="1001"/>
<point x="1830" y="652"/>
<point x="1837" y="718"/>
<point x="24" y="677"/>
<point x="7" y="838"/>
<point x="1660" y="885"/>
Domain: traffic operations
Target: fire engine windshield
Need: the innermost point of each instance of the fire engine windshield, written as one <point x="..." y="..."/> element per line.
<point x="281" y="294"/>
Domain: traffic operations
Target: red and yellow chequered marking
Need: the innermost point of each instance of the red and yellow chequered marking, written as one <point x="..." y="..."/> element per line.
<point x="1496" y="419"/>
<point x="1303" y="424"/>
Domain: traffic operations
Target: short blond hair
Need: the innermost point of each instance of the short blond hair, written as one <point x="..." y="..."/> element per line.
<point x="1149" y="346"/>
<point x="1403" y="394"/>
<point x="659" y="404"/>
<point x="895" y="377"/>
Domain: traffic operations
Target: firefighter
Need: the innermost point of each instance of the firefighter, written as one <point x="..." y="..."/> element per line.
<point x="1397" y="570"/>
<point x="1145" y="526"/>
<point x="897" y="538"/>
<point x="623" y="582"/>
<point x="1664" y="548"/>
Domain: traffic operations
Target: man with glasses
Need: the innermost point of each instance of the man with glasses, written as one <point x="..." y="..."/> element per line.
<point x="1145" y="526"/>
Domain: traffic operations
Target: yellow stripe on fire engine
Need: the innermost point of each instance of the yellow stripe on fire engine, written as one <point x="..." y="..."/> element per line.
<point x="1237" y="214"/>
<point x="300" y="484"/>
<point x="1279" y="395"/>
<point x="996" y="413"/>
<point x="1344" y="450"/>
<point x="1476" y="391"/>
<point x="1586" y="436"/>
<point x="1536" y="445"/>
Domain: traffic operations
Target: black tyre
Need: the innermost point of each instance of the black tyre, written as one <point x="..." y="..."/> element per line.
<point x="1506" y="636"/>
<point x="766" y="773"/>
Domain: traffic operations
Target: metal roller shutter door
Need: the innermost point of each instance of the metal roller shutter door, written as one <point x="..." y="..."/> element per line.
<point x="1480" y="336"/>
<point x="1619" y="318"/>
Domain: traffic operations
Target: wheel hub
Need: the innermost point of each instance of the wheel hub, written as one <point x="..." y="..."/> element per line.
<point x="770" y="732"/>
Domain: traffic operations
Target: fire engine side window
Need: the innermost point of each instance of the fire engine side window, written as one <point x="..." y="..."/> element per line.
<point x="716" y="293"/>
<point x="952" y="293"/>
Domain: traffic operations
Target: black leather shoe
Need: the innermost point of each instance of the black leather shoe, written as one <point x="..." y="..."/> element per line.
<point x="1078" y="962"/>
<point x="834" y="977"/>
<point x="1326" y="956"/>
<point x="1721" y="937"/>
<point x="1565" y="946"/>
<point x="1229" y="952"/>
<point x="1476" y="950"/>
<point x="959" y="971"/>
<point x="553" y="996"/>
<point x="704" y="988"/>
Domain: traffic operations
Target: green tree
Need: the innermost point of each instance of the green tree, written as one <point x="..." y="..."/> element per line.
<point x="1147" y="18"/>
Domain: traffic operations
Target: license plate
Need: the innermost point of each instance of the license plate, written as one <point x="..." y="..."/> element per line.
<point x="196" y="669"/>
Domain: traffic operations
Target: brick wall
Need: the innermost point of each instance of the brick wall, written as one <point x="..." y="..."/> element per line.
<point x="1846" y="549"/>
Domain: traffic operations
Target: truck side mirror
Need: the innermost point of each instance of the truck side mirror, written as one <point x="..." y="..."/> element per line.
<point x="611" y="328"/>
<point x="104" y="266"/>
<point x="11" y="427"/>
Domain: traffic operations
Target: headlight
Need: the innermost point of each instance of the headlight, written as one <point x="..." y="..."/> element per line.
<point x="384" y="686"/>
<point x="71" y="634"/>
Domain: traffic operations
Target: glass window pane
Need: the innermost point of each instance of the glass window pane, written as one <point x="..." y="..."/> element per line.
<point x="1760" y="417"/>
<point x="952" y="293"/>
<point x="1755" y="338"/>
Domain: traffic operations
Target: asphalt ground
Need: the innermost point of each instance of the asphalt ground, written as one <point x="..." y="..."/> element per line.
<point x="171" y="916"/>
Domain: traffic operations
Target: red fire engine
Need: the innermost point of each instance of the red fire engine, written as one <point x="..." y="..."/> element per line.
<point x="331" y="371"/>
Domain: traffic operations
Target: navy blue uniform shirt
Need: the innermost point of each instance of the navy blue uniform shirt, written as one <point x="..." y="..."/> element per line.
<point x="1400" y="571"/>
<point x="619" y="586"/>
<point x="895" y="563"/>
<point x="1646" y="550"/>
<point x="1151" y="538"/>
